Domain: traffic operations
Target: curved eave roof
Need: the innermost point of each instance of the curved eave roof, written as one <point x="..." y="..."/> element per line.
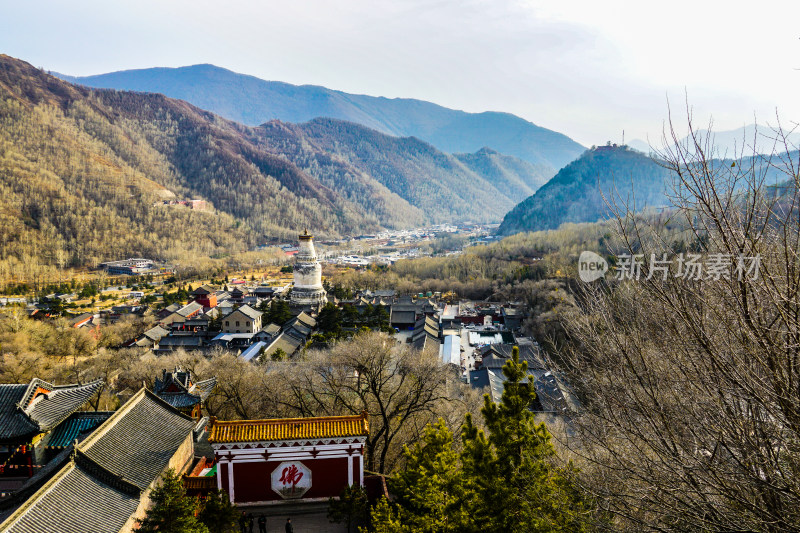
<point x="24" y="413"/>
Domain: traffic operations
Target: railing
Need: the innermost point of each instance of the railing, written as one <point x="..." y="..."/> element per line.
<point x="205" y="483"/>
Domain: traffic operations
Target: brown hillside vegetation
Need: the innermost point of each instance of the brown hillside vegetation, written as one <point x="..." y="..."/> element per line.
<point x="85" y="171"/>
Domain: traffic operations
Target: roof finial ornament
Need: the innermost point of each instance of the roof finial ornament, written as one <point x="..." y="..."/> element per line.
<point x="305" y="231"/>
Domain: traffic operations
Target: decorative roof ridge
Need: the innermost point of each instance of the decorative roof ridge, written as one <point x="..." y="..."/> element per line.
<point x="176" y="393"/>
<point x="33" y="386"/>
<point x="152" y="395"/>
<point x="203" y="382"/>
<point x="27" y="410"/>
<point x="26" y="398"/>
<point x="92" y="414"/>
<point x="277" y="421"/>
<point x="203" y="389"/>
<point x="134" y="400"/>
<point x="106" y="476"/>
<point x="175" y="382"/>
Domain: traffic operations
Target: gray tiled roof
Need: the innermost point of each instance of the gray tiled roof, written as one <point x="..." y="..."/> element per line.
<point x="52" y="409"/>
<point x="285" y="342"/>
<point x="100" y="489"/>
<point x="20" y="417"/>
<point x="77" y="503"/>
<point x="155" y="333"/>
<point x="197" y="393"/>
<point x="205" y="387"/>
<point x="402" y="317"/>
<point x="13" y="421"/>
<point x="189" y="308"/>
<point x="271" y="328"/>
<point x="485" y="378"/>
<point x="139" y="444"/>
<point x="249" y="311"/>
<point x="180" y="400"/>
<point x="307" y="320"/>
<point x="496" y="355"/>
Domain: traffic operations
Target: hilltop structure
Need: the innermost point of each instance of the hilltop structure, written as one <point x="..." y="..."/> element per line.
<point x="307" y="290"/>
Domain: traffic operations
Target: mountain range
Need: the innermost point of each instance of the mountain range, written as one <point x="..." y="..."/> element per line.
<point x="744" y="141"/>
<point x="253" y="101"/>
<point x="86" y="173"/>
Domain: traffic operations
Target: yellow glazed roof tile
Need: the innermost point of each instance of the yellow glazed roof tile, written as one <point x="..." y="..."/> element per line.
<point x="289" y="428"/>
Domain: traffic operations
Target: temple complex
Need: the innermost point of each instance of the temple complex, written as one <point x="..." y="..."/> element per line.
<point x="307" y="290"/>
<point x="292" y="460"/>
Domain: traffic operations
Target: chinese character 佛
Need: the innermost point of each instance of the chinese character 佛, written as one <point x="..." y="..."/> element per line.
<point x="291" y="475"/>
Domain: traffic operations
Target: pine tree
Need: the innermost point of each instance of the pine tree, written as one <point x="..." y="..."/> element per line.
<point x="351" y="507"/>
<point x="330" y="320"/>
<point x="430" y="491"/>
<point x="504" y="480"/>
<point x="384" y="519"/>
<point x="218" y="514"/>
<point x="512" y="476"/>
<point x="171" y="511"/>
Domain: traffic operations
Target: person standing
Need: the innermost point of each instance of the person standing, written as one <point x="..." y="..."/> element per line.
<point x="289" y="528"/>
<point x="250" y="522"/>
<point x="243" y="523"/>
<point x="262" y="524"/>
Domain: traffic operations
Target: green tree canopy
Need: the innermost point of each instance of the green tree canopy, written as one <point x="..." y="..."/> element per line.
<point x="172" y="511"/>
<point x="504" y="480"/>
<point x="330" y="320"/>
<point x="218" y="514"/>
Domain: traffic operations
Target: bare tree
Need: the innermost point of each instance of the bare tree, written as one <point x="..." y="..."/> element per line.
<point x="402" y="389"/>
<point x="691" y="387"/>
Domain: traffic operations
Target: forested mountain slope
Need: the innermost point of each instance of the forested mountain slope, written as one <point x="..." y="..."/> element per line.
<point x="576" y="193"/>
<point x="84" y="173"/>
<point x="253" y="101"/>
<point x="481" y="188"/>
<point x="508" y="174"/>
<point x="582" y="191"/>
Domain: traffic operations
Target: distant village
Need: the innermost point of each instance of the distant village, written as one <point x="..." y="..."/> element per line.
<point x="387" y="247"/>
<point x="52" y="447"/>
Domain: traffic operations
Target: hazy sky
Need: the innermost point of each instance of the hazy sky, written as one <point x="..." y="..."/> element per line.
<point x="587" y="68"/>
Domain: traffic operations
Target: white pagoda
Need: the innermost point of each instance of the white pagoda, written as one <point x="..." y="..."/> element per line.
<point x="307" y="290"/>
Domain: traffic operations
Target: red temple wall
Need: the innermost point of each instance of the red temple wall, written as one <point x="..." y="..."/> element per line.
<point x="251" y="481"/>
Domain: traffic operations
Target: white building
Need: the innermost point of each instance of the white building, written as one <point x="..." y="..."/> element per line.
<point x="307" y="288"/>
